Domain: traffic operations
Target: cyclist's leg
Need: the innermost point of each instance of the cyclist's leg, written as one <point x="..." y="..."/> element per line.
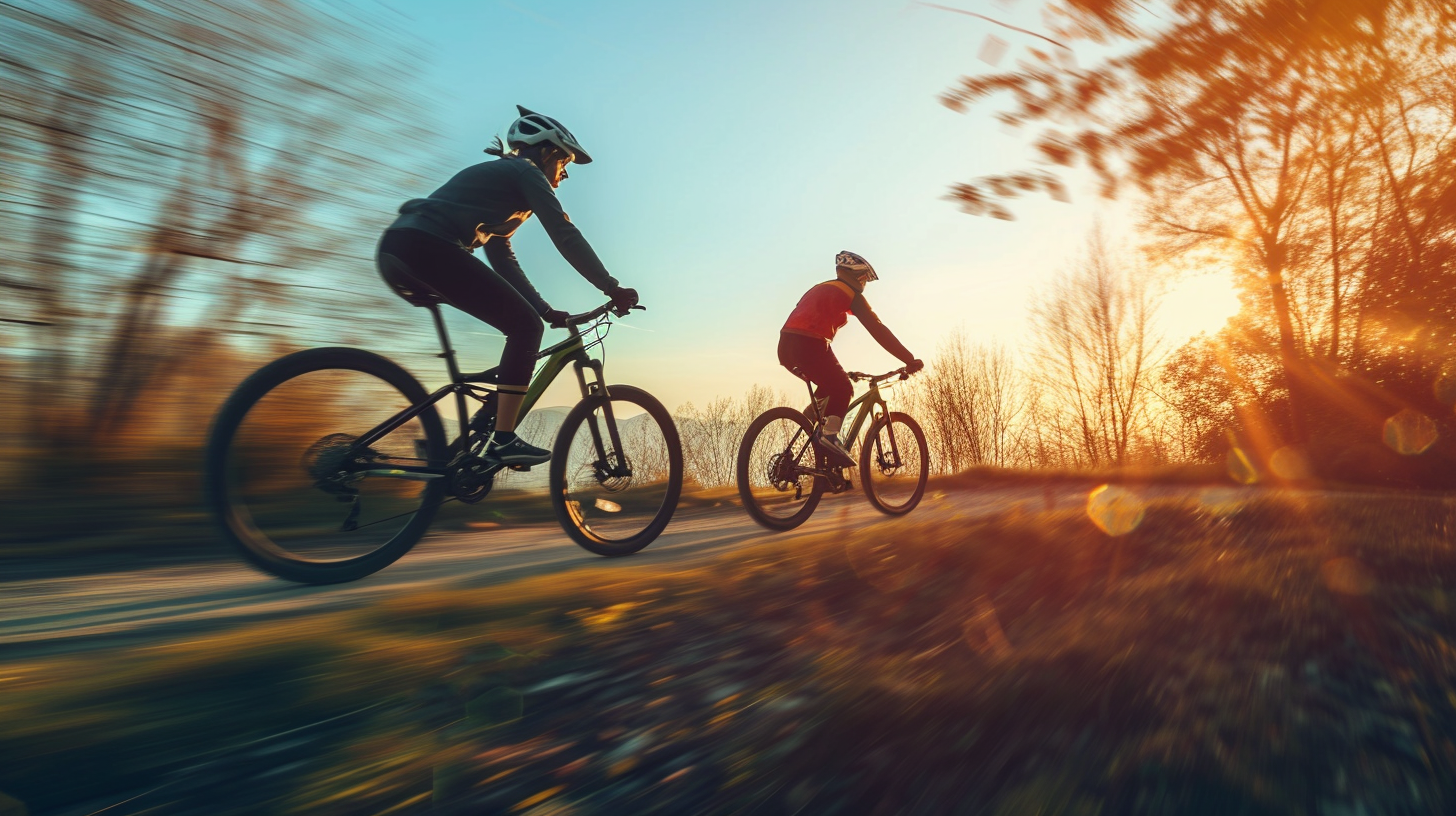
<point x="474" y="288"/>
<point x="816" y="360"/>
<point x="813" y="357"/>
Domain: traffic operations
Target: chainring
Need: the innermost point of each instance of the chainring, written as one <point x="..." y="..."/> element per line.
<point x="471" y="478"/>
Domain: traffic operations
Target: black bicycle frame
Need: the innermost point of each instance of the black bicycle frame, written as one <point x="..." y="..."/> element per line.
<point x="479" y="385"/>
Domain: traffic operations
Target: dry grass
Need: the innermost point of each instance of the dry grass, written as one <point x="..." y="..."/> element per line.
<point x="1290" y="654"/>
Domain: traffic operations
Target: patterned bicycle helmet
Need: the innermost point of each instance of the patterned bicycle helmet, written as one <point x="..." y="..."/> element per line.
<point x="534" y="128"/>
<point x="855" y="263"/>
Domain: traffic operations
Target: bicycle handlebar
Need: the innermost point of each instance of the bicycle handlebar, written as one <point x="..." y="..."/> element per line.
<point x="876" y="379"/>
<point x="571" y="321"/>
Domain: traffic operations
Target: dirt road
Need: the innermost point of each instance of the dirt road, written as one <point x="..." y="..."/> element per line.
<point x="53" y="615"/>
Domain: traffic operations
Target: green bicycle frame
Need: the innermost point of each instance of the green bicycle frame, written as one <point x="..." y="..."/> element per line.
<point x="868" y="402"/>
<point x="571" y="351"/>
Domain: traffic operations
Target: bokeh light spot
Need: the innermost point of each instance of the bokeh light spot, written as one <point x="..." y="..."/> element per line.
<point x="1241" y="467"/>
<point x="1290" y="464"/>
<point x="1220" y="501"/>
<point x="1347" y="576"/>
<point x="1410" y="432"/>
<point x="1115" y="510"/>
<point x="1445" y="385"/>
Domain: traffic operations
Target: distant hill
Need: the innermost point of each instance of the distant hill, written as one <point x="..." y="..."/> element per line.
<point x="540" y="427"/>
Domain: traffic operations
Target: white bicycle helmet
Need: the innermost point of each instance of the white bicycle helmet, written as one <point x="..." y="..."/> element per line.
<point x="534" y="128"/>
<point x="855" y="263"/>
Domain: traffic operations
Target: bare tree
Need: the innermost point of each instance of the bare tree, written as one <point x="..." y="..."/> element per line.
<point x="1095" y="353"/>
<point x="971" y="403"/>
<point x="711" y="435"/>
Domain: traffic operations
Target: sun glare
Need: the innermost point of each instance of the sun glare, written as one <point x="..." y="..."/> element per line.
<point x="1198" y="304"/>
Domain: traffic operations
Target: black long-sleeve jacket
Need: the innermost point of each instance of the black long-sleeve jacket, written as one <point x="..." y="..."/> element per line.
<point x="483" y="205"/>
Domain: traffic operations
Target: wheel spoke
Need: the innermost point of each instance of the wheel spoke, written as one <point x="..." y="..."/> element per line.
<point x="293" y="486"/>
<point x="775" y="470"/>
<point x="894" y="464"/>
<point x="615" y="497"/>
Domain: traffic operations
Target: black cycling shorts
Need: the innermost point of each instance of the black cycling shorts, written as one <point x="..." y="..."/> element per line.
<point x="815" y="360"/>
<point x="471" y="286"/>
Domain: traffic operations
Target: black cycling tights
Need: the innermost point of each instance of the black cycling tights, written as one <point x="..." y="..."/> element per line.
<point x="815" y="360"/>
<point x="474" y="288"/>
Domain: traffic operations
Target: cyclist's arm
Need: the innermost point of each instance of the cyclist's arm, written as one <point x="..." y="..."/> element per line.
<point x="568" y="239"/>
<point x="882" y="334"/>
<point x="503" y="260"/>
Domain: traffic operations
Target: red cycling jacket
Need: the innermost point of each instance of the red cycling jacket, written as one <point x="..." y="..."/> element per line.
<point x="824" y="309"/>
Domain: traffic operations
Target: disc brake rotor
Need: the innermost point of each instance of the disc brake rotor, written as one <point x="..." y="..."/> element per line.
<point x="602" y="473"/>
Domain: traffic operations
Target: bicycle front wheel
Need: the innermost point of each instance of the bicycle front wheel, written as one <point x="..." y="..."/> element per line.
<point x="291" y="486"/>
<point x="774" y="463"/>
<point x="894" y="464"/>
<point x="615" y="492"/>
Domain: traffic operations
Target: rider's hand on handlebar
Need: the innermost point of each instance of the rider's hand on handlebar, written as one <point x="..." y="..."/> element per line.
<point x="623" y="299"/>
<point x="555" y="318"/>
<point x="914" y="366"/>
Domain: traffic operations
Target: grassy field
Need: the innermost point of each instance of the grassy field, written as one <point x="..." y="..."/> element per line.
<point x="1287" y="654"/>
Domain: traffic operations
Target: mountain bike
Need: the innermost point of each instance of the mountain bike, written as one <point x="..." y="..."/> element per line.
<point x="782" y="475"/>
<point x="328" y="464"/>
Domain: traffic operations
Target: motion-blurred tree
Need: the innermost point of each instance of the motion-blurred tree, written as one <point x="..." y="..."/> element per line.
<point x="178" y="172"/>
<point x="1309" y="137"/>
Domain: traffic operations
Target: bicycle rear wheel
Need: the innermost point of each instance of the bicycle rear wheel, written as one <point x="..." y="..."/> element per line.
<point x="773" y="463"/>
<point x="289" y="485"/>
<point x="616" y="499"/>
<point x="894" y="464"/>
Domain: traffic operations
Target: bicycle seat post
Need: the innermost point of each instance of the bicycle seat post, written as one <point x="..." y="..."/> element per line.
<point x="448" y="353"/>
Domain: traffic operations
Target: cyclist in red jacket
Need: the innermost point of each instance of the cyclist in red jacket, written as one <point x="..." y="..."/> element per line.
<point x="806" y="335"/>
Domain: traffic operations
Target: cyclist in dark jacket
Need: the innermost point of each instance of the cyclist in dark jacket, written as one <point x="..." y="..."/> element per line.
<point x="806" y="335"/>
<point x="483" y="206"/>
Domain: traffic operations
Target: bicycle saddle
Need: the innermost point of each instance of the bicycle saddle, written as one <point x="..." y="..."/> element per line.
<point x="415" y="291"/>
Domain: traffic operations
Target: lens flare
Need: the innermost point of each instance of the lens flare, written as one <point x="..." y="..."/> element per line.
<point x="1241" y="467"/>
<point x="1290" y="464"/>
<point x="1445" y="385"/>
<point x="1220" y="501"/>
<point x="1115" y="510"/>
<point x="1410" y="432"/>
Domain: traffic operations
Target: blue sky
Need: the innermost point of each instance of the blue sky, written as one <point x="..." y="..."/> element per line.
<point x="738" y="147"/>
